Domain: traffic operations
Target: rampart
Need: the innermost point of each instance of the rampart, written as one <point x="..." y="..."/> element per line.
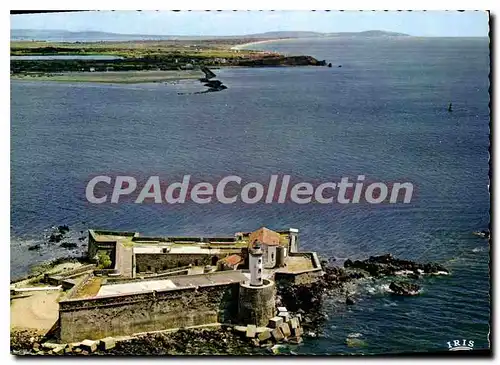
<point x="302" y="276"/>
<point x="163" y="275"/>
<point x="157" y="262"/>
<point x="99" y="317"/>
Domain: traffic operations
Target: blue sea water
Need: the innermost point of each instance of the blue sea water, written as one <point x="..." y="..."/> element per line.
<point x="382" y="114"/>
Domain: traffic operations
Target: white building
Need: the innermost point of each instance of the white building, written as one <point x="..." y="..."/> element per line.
<point x="269" y="241"/>
<point x="255" y="265"/>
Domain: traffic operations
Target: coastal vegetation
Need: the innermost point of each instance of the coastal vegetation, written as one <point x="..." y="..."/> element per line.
<point x="103" y="259"/>
<point x="183" y="57"/>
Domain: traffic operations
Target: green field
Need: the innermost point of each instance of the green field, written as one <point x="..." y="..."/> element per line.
<point x="135" y="49"/>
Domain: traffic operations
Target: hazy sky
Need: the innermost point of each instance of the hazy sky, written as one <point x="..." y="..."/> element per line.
<point x="417" y="23"/>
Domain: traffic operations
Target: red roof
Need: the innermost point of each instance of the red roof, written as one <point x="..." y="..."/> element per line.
<point x="232" y="260"/>
<point x="265" y="236"/>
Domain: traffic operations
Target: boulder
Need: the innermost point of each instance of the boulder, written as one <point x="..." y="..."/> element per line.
<point x="55" y="237"/>
<point x="264" y="336"/>
<point x="348" y="263"/>
<point x="277" y="335"/>
<point x="255" y="342"/>
<point x="355" y="342"/>
<point x="50" y="345"/>
<point x="295" y="340"/>
<point x="213" y="83"/>
<point x="282" y="309"/>
<point x="275" y="322"/>
<point x="274" y="350"/>
<point x="284" y="315"/>
<point x="69" y="245"/>
<point x="285" y="329"/>
<point x="63" y="229"/>
<point x="240" y="329"/>
<point x="59" y="350"/>
<point x="402" y="288"/>
<point x="294" y="322"/>
<point x="251" y="331"/>
<point x="88" y="345"/>
<point x="107" y="343"/>
<point x="297" y="332"/>
<point x="483" y="234"/>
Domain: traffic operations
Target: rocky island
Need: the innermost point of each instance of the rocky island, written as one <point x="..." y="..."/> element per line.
<point x="254" y="292"/>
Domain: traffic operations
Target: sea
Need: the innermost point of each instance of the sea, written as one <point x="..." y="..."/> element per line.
<point x="381" y="111"/>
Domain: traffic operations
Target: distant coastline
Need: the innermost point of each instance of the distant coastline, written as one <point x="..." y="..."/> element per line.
<point x="245" y="45"/>
<point x="138" y="62"/>
<point x="58" y="35"/>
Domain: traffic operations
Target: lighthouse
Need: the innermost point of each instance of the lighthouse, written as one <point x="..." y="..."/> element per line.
<point x="257" y="298"/>
<point x="255" y="265"/>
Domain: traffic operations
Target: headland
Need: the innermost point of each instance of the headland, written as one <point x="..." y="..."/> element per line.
<point x="138" y="61"/>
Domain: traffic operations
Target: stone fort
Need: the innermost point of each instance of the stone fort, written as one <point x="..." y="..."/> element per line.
<point x="159" y="283"/>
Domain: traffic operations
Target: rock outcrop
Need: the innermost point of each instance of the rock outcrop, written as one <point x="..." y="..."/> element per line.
<point x="58" y="234"/>
<point x="213" y="85"/>
<point x="278" y="60"/>
<point x="387" y="265"/>
<point x="405" y="289"/>
<point x="483" y="234"/>
<point x="189" y="341"/>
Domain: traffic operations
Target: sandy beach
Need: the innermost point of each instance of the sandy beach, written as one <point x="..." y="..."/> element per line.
<point x="116" y="77"/>
<point x="245" y="45"/>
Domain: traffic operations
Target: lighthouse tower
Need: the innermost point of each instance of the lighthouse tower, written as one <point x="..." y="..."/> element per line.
<point x="255" y="265"/>
<point x="257" y="298"/>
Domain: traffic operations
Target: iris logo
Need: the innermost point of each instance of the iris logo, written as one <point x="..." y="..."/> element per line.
<point x="460" y="345"/>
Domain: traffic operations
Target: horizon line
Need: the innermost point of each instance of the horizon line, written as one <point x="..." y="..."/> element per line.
<point x="399" y="34"/>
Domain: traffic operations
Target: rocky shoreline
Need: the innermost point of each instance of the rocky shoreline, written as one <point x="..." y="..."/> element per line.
<point x="306" y="317"/>
<point x="387" y="265"/>
<point x="212" y="85"/>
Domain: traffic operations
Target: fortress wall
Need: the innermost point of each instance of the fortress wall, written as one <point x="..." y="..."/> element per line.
<point x="298" y="278"/>
<point x="72" y="292"/>
<point x="113" y="233"/>
<point x="96" y="318"/>
<point x="304" y="276"/>
<point x="160" y="262"/>
<point x="94" y="247"/>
